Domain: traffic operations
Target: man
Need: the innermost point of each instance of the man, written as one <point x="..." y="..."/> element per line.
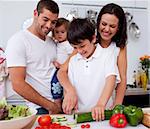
<point x="30" y="54"/>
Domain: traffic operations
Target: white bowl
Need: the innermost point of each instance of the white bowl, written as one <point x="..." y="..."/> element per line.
<point x="18" y="123"/>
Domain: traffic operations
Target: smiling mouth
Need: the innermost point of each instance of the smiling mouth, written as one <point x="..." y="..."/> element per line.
<point x="106" y="34"/>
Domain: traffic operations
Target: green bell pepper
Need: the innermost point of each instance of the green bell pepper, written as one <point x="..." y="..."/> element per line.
<point x="133" y="114"/>
<point x="118" y="109"/>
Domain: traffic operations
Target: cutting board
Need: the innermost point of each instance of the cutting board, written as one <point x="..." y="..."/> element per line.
<point x="94" y="125"/>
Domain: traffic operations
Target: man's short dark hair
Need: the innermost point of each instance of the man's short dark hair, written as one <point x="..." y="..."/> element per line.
<point x="47" y="4"/>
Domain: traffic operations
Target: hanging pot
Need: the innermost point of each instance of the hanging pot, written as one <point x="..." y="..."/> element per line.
<point x="134" y="30"/>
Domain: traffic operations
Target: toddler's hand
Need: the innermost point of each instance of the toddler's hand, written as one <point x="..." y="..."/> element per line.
<point x="56" y="64"/>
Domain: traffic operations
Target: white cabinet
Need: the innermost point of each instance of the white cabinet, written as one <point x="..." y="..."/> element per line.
<point x="141" y="3"/>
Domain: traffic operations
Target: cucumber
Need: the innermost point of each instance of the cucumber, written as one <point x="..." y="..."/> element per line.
<point x="87" y="117"/>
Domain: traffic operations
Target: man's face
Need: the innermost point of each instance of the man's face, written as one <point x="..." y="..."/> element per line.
<point x="45" y="22"/>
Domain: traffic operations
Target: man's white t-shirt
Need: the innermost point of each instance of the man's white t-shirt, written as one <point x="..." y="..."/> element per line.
<point x="64" y="49"/>
<point x="27" y="50"/>
<point x="89" y="75"/>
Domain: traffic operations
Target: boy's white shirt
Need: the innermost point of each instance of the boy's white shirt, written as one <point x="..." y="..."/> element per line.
<point x="89" y="75"/>
<point x="64" y="49"/>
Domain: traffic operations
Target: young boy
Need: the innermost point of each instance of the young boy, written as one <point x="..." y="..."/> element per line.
<point x="94" y="90"/>
<point x="64" y="49"/>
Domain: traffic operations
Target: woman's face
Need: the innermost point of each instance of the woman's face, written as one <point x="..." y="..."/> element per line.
<point x="108" y="26"/>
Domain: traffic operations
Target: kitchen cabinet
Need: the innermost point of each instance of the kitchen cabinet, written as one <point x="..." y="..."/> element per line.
<point x="140" y="99"/>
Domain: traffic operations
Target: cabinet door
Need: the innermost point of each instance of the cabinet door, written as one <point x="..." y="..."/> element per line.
<point x="137" y="100"/>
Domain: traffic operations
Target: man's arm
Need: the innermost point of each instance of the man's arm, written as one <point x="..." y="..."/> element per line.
<point x="17" y="76"/>
<point x="122" y="66"/>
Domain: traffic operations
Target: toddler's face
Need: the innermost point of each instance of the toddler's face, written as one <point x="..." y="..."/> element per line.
<point x="60" y="33"/>
<point x="85" y="48"/>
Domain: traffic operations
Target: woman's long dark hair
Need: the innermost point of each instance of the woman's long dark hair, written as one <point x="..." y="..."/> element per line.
<point x="121" y="36"/>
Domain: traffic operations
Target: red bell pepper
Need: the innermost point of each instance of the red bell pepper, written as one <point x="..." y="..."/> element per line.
<point x="118" y="120"/>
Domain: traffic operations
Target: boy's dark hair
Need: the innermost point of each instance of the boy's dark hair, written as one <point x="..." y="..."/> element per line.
<point x="80" y="29"/>
<point x="47" y="4"/>
<point x="121" y="36"/>
<point x="61" y="21"/>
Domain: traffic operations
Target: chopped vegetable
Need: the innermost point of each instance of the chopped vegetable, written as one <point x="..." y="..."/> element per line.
<point x="133" y="114"/>
<point x="72" y="124"/>
<point x="15" y="111"/>
<point x="3" y="113"/>
<point x="118" y="120"/>
<point x="59" y="119"/>
<point x="3" y="103"/>
<point x="8" y="112"/>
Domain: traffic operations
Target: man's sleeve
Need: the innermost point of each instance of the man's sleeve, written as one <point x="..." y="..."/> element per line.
<point x="15" y="52"/>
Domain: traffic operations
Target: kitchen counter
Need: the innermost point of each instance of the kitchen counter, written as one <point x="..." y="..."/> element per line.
<point x="136" y="91"/>
<point x="94" y="125"/>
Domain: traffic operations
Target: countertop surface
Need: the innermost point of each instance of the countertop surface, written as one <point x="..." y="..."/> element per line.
<point x="94" y="125"/>
<point x="137" y="91"/>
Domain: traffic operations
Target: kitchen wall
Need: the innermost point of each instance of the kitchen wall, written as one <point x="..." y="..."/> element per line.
<point x="14" y="12"/>
<point x="149" y="26"/>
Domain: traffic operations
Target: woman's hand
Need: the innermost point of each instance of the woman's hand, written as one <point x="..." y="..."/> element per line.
<point x="98" y="112"/>
<point x="70" y="101"/>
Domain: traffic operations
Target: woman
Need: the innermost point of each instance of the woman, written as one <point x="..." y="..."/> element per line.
<point x="111" y="28"/>
<point x="112" y="36"/>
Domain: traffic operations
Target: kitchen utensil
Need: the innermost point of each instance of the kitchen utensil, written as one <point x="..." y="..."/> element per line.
<point x="134" y="30"/>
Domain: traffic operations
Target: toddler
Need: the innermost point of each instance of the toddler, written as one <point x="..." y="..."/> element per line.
<point x="64" y="49"/>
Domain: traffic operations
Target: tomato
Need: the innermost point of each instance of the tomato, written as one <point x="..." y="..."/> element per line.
<point x="37" y="127"/>
<point x="82" y="126"/>
<point x="64" y="127"/>
<point x="87" y="126"/>
<point x="54" y="126"/>
<point x="45" y="127"/>
<point x="44" y="120"/>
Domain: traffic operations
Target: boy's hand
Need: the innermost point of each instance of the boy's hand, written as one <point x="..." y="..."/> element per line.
<point x="98" y="112"/>
<point x="70" y="101"/>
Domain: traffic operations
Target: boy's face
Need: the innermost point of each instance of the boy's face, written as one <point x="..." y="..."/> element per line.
<point x="60" y="33"/>
<point x="85" y="48"/>
<point x="44" y="22"/>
